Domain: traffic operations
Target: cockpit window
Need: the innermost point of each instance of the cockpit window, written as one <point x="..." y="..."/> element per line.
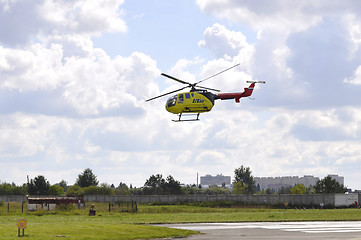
<point x="171" y="101"/>
<point x="188" y="95"/>
<point x="180" y="98"/>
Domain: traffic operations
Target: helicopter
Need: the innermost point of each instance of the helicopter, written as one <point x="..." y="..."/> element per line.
<point x="199" y="100"/>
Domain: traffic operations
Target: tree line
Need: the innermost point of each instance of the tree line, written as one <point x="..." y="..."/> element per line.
<point x="87" y="184"/>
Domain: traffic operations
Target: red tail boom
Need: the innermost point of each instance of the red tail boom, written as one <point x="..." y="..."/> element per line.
<point x="237" y="96"/>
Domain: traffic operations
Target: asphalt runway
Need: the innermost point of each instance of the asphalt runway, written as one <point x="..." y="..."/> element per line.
<point x="273" y="230"/>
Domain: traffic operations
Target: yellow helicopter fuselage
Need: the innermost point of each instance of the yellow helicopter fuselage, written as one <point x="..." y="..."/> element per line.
<point x="189" y="102"/>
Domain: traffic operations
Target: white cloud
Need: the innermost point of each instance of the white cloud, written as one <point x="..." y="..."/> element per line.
<point x="27" y="135"/>
<point x="226" y="139"/>
<point x="26" y="20"/>
<point x="91" y="84"/>
<point x="206" y="157"/>
<point x="356" y="78"/>
<point x="262" y="15"/>
<point x="222" y="41"/>
<point x="294" y="45"/>
<point x="352" y="23"/>
<point x="31" y="69"/>
<point x="58" y="55"/>
<point x="72" y="44"/>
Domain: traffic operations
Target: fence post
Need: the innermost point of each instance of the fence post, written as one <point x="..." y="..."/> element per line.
<point x="8" y="207"/>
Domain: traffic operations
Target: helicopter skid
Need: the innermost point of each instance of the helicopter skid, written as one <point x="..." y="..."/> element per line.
<point x="186" y="115"/>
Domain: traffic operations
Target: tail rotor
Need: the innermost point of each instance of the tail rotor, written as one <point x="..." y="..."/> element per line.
<point x="256" y="82"/>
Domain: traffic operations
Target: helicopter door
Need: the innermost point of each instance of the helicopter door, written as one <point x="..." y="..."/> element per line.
<point x="180" y="98"/>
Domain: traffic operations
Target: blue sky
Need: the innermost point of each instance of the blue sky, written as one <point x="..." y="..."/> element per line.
<point x="149" y="33"/>
<point x="74" y="77"/>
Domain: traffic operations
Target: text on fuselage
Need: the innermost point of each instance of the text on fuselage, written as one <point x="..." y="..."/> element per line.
<point x="198" y="100"/>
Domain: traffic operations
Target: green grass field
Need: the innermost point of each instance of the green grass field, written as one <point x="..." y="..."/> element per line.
<point x="76" y="224"/>
<point x="82" y="227"/>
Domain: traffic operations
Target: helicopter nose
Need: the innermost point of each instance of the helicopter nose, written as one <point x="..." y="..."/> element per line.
<point x="167" y="106"/>
<point x="170" y="106"/>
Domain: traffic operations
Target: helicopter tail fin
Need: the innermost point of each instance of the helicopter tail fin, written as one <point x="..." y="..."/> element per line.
<point x="248" y="91"/>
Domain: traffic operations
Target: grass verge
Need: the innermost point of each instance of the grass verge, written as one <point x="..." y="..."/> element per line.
<point x="74" y="223"/>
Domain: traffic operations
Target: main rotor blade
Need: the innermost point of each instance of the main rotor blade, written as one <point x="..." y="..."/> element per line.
<point x="165" y="94"/>
<point x="218" y="73"/>
<point x="212" y="89"/>
<point x="176" y="79"/>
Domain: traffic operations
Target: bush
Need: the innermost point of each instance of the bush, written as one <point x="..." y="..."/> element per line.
<point x="104" y="189"/>
<point x="56" y="190"/>
<point x="74" y="191"/>
<point x="12" y="189"/>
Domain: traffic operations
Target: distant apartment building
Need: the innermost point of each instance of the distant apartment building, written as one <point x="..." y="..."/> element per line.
<point x="276" y="183"/>
<point x="218" y="180"/>
<point x="339" y="179"/>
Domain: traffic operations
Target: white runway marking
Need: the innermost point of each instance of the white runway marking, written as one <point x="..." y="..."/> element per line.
<point x="307" y="227"/>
